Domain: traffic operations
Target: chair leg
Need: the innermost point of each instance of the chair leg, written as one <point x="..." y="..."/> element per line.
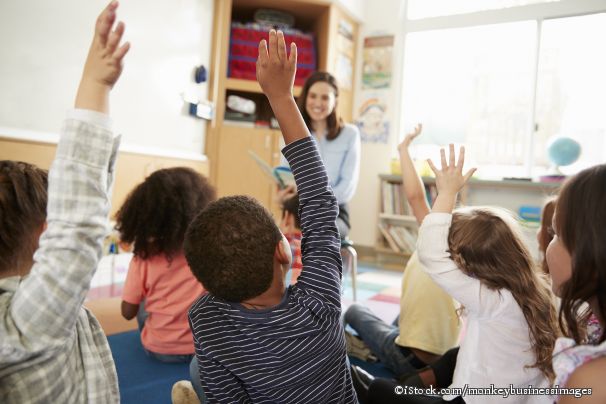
<point x="354" y="270"/>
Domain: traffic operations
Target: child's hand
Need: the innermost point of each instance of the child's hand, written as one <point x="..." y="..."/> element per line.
<point x="276" y="70"/>
<point x="450" y="179"/>
<point x="402" y="147"/>
<point x="104" y="62"/>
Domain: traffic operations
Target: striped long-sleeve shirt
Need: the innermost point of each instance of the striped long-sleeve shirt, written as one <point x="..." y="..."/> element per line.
<point x="293" y="352"/>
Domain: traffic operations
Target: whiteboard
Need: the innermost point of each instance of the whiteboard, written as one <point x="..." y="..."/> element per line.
<point x="43" y="45"/>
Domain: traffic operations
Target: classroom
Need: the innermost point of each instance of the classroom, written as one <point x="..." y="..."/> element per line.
<point x="302" y="201"/>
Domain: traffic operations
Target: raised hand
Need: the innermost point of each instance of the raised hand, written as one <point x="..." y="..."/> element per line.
<point x="104" y="62"/>
<point x="450" y="178"/>
<point x="403" y="146"/>
<point x="275" y="69"/>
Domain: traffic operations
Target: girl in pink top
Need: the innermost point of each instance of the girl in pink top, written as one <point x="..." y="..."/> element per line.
<point x="159" y="286"/>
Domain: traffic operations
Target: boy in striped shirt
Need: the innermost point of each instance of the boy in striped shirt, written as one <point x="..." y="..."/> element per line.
<point x="256" y="340"/>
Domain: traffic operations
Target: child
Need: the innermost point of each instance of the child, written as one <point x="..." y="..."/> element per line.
<point x="53" y="350"/>
<point x="428" y="325"/>
<point x="159" y="284"/>
<point x="256" y="341"/>
<point x="576" y="258"/>
<point x="290" y="225"/>
<point x="478" y="256"/>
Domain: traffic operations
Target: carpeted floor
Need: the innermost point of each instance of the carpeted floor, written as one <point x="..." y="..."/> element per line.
<point x="145" y="380"/>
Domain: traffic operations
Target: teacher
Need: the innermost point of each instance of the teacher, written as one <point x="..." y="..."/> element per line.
<point x="338" y="142"/>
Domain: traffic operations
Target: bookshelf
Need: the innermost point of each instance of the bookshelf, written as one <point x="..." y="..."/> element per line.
<point x="232" y="171"/>
<point x="395" y="213"/>
<point x="397" y="226"/>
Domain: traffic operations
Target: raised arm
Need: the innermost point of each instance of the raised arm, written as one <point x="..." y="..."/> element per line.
<point x="414" y="189"/>
<point x="320" y="246"/>
<point x="432" y="244"/>
<point x="45" y="307"/>
<point x="276" y="75"/>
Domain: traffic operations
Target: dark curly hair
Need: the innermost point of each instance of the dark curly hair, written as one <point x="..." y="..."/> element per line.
<point x="157" y="212"/>
<point x="230" y="247"/>
<point x="23" y="198"/>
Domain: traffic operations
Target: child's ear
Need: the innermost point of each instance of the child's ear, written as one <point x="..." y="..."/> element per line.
<point x="282" y="252"/>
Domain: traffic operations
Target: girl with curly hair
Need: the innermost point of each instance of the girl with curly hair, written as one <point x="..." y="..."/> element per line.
<point x="160" y="287"/>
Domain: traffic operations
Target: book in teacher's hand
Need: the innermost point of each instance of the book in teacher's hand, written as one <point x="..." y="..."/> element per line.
<point x="281" y="175"/>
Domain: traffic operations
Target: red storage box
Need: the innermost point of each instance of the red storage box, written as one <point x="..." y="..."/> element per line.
<point x="243" y="51"/>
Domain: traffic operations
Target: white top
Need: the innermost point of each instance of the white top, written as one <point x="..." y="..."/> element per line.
<point x="496" y="347"/>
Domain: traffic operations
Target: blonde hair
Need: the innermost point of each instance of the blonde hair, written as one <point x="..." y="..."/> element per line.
<point x="487" y="243"/>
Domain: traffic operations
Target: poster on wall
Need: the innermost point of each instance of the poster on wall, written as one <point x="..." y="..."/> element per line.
<point x="376" y="63"/>
<point x="372" y="118"/>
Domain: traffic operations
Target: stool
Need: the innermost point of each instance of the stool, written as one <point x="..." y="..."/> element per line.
<point x="350" y="262"/>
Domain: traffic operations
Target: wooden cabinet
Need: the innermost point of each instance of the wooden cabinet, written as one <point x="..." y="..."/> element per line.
<point x="227" y="145"/>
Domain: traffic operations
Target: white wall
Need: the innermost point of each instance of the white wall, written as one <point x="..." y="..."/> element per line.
<point x="381" y="17"/>
<point x="355" y="7"/>
<point x="43" y="46"/>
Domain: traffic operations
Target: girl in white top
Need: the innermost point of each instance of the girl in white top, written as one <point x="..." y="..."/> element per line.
<point x="477" y="255"/>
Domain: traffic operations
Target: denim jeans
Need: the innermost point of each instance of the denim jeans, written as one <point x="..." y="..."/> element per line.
<point x="380" y="338"/>
<point x="194" y="375"/>
<point x="166" y="358"/>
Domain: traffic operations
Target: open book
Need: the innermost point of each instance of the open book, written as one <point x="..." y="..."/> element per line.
<point x="281" y="175"/>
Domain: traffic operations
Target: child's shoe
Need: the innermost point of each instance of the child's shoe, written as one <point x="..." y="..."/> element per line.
<point x="183" y="393"/>
<point x="358" y="348"/>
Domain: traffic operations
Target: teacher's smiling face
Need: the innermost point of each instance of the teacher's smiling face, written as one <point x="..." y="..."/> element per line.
<point x="321" y="101"/>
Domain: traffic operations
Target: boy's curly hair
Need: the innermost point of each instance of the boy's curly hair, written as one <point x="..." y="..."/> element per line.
<point x="230" y="246"/>
<point x="23" y="198"/>
<point x="157" y="212"/>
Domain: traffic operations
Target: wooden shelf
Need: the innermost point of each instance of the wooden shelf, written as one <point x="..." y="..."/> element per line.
<point x="483" y="183"/>
<point x="408" y="219"/>
<point x="251" y="86"/>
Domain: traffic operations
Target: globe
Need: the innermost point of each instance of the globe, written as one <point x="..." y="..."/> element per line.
<point x="563" y="151"/>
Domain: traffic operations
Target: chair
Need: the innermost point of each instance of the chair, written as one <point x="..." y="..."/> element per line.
<point x="350" y="263"/>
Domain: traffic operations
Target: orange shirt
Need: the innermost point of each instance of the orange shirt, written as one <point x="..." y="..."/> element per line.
<point x="169" y="289"/>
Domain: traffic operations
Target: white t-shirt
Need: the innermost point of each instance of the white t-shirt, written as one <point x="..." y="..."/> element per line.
<point x="496" y="348"/>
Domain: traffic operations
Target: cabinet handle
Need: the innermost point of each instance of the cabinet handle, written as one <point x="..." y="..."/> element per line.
<point x="267" y="141"/>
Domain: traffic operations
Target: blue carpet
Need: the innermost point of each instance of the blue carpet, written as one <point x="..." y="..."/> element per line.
<point x="141" y="378"/>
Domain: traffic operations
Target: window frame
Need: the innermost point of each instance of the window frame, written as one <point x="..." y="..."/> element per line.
<point x="535" y="12"/>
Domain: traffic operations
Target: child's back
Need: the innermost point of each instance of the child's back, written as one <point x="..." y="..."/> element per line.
<point x="478" y="256"/>
<point x="167" y="289"/>
<point x="52" y="350"/>
<point x="159" y="286"/>
<point x="255" y="341"/>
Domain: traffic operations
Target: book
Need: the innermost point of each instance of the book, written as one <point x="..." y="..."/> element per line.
<point x="281" y="175"/>
<point x="388" y="237"/>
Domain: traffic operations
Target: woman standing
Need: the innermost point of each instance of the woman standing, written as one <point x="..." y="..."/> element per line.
<point x="338" y="143"/>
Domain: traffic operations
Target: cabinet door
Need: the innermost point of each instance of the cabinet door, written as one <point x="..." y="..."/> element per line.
<point x="237" y="172"/>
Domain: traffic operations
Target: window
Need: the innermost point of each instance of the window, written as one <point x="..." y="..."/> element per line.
<point x="486" y="86"/>
<point x="571" y="88"/>
<point x="472" y="86"/>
